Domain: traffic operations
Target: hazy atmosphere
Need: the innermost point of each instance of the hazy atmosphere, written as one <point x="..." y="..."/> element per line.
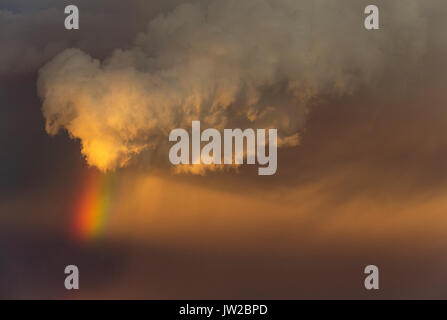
<point x="361" y="175"/>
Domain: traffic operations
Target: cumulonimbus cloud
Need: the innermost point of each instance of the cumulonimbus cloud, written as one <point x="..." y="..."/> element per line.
<point x="251" y="63"/>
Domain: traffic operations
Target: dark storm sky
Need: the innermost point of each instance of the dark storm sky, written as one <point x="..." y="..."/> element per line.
<point x="366" y="185"/>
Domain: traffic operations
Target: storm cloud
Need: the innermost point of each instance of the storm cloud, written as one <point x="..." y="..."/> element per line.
<point x="229" y="64"/>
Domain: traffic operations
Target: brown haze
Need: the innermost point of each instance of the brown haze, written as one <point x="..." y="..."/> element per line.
<point x="362" y="179"/>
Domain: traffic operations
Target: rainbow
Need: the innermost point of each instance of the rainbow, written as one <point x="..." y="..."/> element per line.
<point x="93" y="206"/>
